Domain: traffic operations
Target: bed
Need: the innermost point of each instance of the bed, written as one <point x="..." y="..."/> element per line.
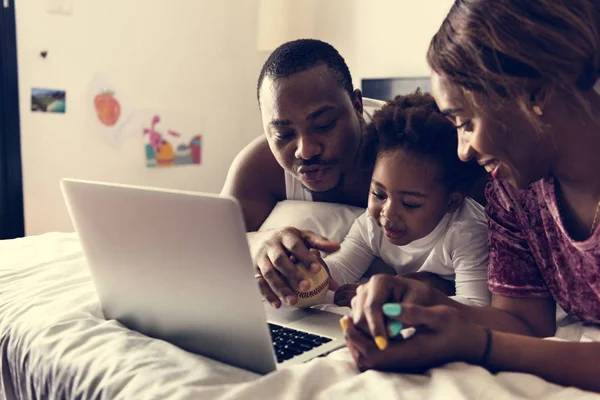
<point x="56" y="344"/>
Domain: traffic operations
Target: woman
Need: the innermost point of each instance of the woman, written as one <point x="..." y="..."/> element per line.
<point x="516" y="78"/>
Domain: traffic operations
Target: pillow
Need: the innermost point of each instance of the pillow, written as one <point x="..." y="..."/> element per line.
<point x="330" y="220"/>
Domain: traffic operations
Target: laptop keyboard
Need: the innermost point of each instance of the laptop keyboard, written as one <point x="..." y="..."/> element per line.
<point x="289" y="342"/>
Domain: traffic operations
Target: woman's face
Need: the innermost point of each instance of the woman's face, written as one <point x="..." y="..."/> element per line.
<point x="498" y="136"/>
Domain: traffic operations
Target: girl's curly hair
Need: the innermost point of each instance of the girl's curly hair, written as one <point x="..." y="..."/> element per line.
<point x="414" y="123"/>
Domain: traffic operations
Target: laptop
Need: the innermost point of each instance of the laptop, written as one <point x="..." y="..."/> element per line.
<point x="176" y="266"/>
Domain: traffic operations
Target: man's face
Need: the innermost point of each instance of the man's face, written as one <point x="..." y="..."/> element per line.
<point x="313" y="126"/>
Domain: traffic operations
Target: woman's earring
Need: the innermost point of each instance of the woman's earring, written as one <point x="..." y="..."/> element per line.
<point x="537" y="110"/>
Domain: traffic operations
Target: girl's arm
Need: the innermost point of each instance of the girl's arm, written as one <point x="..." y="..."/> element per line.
<point x="351" y="261"/>
<point x="445" y="286"/>
<point x="467" y="244"/>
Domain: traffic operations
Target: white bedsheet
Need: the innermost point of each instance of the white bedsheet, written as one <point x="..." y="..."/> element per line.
<point x="55" y="344"/>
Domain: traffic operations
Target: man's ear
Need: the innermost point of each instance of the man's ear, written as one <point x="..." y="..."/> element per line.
<point x="455" y="200"/>
<point x="357" y="101"/>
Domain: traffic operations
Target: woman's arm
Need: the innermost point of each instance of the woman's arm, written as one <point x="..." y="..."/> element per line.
<point x="444" y="335"/>
<point x="565" y="363"/>
<point x="531" y="317"/>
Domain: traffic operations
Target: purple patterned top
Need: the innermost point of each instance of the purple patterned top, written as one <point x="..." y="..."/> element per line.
<point x="532" y="255"/>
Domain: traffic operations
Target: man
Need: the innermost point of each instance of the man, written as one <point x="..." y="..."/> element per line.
<point x="313" y="123"/>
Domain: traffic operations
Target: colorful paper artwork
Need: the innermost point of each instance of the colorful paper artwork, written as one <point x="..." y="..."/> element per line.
<point x="48" y="100"/>
<point x="172" y="148"/>
<point x="109" y="110"/>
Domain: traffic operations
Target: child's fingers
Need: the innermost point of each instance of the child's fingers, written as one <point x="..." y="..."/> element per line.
<point x="316" y="253"/>
<point x="343" y="299"/>
<point x="333" y="285"/>
<point x="319" y="242"/>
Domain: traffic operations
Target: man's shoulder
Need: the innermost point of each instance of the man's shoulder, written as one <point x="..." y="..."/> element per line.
<point x="257" y="163"/>
<point x="258" y="154"/>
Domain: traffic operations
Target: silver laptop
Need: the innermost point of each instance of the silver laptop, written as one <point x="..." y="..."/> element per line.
<point x="175" y="265"/>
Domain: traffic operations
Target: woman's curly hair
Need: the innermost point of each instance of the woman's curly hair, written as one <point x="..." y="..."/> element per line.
<point x="414" y="123"/>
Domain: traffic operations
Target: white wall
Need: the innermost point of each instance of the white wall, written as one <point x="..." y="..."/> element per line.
<point x="334" y="23"/>
<point x="394" y="36"/>
<point x="198" y="57"/>
<point x="378" y="38"/>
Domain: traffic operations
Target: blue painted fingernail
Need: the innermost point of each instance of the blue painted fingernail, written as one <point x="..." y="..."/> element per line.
<point x="392" y="309"/>
<point x="394" y="328"/>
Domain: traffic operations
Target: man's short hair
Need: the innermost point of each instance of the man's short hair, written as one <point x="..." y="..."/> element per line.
<point x="300" y="55"/>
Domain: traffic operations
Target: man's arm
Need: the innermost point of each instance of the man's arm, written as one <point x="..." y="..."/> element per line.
<point x="256" y="180"/>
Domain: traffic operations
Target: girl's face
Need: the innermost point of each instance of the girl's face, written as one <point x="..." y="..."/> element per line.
<point x="407" y="198"/>
<point x="498" y="136"/>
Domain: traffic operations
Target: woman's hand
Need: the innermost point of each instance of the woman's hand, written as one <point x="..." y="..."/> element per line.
<point x="381" y="289"/>
<point x="345" y="294"/>
<point x="442" y="335"/>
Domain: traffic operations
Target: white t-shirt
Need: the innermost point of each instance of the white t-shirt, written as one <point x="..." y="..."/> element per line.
<point x="455" y="250"/>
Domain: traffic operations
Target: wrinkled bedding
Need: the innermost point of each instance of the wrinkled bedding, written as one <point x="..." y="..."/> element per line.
<point x="56" y="344"/>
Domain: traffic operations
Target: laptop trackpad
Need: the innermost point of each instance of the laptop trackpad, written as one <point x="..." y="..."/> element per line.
<point x="287" y="314"/>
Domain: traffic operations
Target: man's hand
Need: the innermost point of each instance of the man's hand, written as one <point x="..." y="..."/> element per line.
<point x="275" y="262"/>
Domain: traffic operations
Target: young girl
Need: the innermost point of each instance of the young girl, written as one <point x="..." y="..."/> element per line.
<point x="418" y="220"/>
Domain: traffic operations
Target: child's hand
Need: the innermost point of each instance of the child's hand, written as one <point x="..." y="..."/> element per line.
<point x="345" y="294"/>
